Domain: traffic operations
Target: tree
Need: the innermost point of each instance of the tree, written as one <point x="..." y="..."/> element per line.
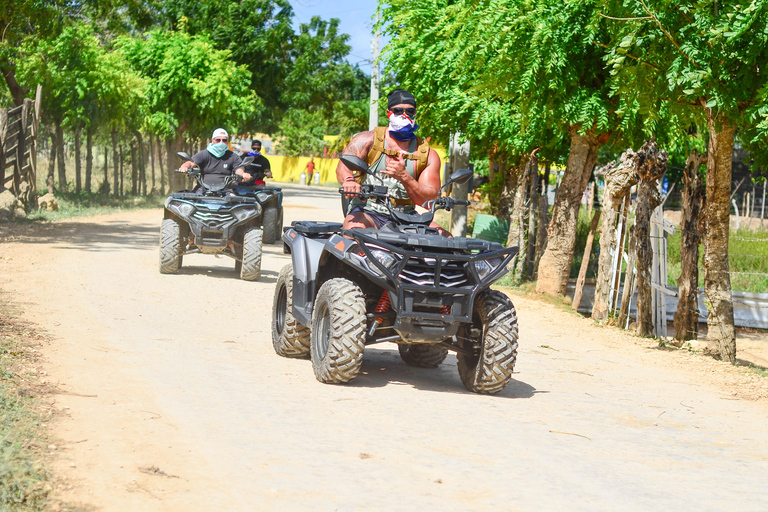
<point x="701" y="60"/>
<point x="190" y="86"/>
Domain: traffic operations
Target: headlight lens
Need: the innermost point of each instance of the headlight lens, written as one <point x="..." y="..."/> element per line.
<point x="244" y="212"/>
<point x="183" y="209"/>
<point x="384" y="258"/>
<point x="485" y="267"/>
<point x="261" y="196"/>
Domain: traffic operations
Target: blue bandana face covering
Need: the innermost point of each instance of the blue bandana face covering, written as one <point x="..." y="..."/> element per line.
<point x="217" y="149"/>
<point x="254" y="153"/>
<point x="402" y="127"/>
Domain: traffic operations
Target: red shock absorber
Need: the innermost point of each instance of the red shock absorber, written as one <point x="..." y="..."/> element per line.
<point x="446" y="310"/>
<point x="384" y="304"/>
<point x="382" y="307"/>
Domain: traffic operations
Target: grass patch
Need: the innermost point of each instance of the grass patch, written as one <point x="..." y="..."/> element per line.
<point x="84" y="204"/>
<point x="23" y="478"/>
<point x="747" y="256"/>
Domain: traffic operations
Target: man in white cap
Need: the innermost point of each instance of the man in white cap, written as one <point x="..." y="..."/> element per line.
<point x="217" y="161"/>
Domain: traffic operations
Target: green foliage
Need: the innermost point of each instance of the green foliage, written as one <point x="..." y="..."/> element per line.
<point x="301" y="132"/>
<point x="683" y="60"/>
<point x="190" y="86"/>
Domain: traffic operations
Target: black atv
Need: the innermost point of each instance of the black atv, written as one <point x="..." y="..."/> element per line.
<point x="404" y="283"/>
<point x="271" y="201"/>
<point x="212" y="220"/>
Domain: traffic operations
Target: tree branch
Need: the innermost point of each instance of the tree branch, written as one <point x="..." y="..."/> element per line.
<point x="631" y="57"/>
<point x="625" y="19"/>
<point x="667" y="34"/>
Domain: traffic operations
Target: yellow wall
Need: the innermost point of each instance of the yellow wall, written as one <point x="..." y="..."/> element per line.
<point x="289" y="169"/>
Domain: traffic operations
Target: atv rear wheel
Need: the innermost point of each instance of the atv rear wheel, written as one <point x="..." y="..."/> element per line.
<point x="250" y="270"/>
<point x="269" y="223"/>
<point x="170" y="247"/>
<point x="422" y="355"/>
<point x="494" y="328"/>
<point x="337" y="339"/>
<point x="289" y="337"/>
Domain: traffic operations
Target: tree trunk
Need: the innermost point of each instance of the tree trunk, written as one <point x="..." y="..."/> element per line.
<point x="115" y="165"/>
<point x="516" y="235"/>
<point x="652" y="164"/>
<point x="49" y="182"/>
<point x="555" y="264"/>
<point x="60" y="157"/>
<point x="104" y="189"/>
<point x="629" y="279"/>
<point x="162" y="166"/>
<point x="175" y="180"/>
<point x="142" y="164"/>
<point x="9" y="74"/>
<point x="78" y="170"/>
<point x="134" y="168"/>
<point x="619" y="181"/>
<point x="721" y="340"/>
<point x="533" y="203"/>
<point x="152" y="159"/>
<point x="541" y="233"/>
<point x="122" y="171"/>
<point x="577" y="293"/>
<point x="88" y="158"/>
<point x="507" y="195"/>
<point x="610" y="213"/>
<point x="687" y="314"/>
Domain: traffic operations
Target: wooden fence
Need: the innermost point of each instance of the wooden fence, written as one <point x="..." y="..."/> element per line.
<point x="19" y="128"/>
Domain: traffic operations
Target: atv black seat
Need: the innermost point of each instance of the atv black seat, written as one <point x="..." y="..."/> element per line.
<point x="316" y="228"/>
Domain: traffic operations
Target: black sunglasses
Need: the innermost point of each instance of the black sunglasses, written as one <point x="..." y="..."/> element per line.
<point x="398" y="111"/>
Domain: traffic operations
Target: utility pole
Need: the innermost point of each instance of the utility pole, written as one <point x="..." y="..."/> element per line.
<point x="459" y="158"/>
<point x="373" y="114"/>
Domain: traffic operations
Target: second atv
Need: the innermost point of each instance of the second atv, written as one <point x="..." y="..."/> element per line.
<point x="212" y="220"/>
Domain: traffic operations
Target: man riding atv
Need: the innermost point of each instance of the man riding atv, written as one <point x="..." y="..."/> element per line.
<point x="217" y="161"/>
<point x="259" y="168"/>
<point x="404" y="162"/>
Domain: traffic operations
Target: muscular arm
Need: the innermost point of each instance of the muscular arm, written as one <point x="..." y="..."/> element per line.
<point x="360" y="145"/>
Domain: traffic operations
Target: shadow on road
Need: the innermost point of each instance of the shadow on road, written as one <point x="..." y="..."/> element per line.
<point x="267" y="276"/>
<point x="386" y="368"/>
<point x="90" y="236"/>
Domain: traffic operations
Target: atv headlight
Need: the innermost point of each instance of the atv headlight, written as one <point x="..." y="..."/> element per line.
<point x="183" y="209"/>
<point x="485" y="267"/>
<point x="262" y="196"/>
<point x="244" y="212"/>
<point x="384" y="258"/>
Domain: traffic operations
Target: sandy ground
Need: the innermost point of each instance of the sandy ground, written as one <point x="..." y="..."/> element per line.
<point x="172" y="398"/>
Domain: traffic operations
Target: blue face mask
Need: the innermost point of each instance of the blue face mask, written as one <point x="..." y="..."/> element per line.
<point x="217" y="149"/>
<point x="253" y="152"/>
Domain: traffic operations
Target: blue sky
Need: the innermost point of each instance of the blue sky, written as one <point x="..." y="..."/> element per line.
<point x="355" y="19"/>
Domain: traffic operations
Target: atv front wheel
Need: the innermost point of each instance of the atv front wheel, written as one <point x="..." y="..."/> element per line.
<point x="269" y="223"/>
<point x="422" y="355"/>
<point x="250" y="270"/>
<point x="289" y="337"/>
<point x="170" y="247"/>
<point x="494" y="329"/>
<point x="337" y="339"/>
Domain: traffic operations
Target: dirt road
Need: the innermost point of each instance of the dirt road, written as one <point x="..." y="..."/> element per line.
<point x="172" y="399"/>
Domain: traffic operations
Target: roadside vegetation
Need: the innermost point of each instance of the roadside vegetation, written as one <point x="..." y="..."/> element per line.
<point x="86" y="205"/>
<point x="23" y="476"/>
